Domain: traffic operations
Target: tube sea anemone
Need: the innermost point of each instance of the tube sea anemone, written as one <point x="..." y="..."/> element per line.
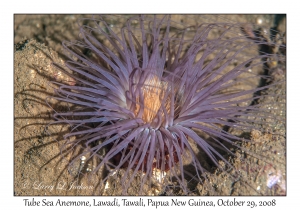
<point x="150" y="97"/>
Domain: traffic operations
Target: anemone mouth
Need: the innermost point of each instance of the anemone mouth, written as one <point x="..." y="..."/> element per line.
<point x="151" y="98"/>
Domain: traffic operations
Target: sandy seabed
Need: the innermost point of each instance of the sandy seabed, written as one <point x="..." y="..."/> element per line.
<point x="41" y="169"/>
